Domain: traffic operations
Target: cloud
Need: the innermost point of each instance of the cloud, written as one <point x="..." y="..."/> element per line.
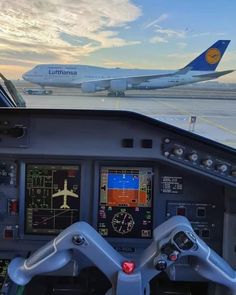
<point x="183" y="56"/>
<point x="158" y="39"/>
<point x="62" y="30"/>
<point x="202" y="34"/>
<point x="230" y="57"/>
<point x="116" y="64"/>
<point x="181" y="45"/>
<point x="160" y="19"/>
<point x="171" y="33"/>
<point x="165" y="35"/>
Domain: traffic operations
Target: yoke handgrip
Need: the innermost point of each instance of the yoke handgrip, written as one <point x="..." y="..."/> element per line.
<point x="213" y="267"/>
<point x="46" y="259"/>
<point x="81" y="237"/>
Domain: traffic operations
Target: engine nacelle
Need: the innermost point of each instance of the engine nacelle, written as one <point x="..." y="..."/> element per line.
<point x="118" y="85"/>
<point x="90" y="87"/>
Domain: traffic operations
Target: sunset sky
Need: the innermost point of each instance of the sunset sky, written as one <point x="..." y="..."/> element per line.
<point x="156" y="34"/>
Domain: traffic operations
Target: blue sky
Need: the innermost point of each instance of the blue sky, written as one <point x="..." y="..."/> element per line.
<point x="161" y="34"/>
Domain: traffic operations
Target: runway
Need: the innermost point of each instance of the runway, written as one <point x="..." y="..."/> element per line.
<point x="215" y="109"/>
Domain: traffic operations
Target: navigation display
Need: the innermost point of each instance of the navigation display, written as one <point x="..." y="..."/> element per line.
<point x="3" y="271"/>
<point x="125" y="202"/>
<point x="52" y="197"/>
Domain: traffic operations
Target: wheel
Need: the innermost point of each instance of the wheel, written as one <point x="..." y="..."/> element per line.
<point x="121" y="93"/>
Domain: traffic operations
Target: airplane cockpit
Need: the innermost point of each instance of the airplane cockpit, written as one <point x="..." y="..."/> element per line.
<point x="113" y="202"/>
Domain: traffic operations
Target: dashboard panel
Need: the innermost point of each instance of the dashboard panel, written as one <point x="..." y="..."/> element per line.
<point x="121" y="172"/>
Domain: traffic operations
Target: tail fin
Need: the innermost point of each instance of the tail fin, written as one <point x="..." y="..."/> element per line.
<point x="210" y="58"/>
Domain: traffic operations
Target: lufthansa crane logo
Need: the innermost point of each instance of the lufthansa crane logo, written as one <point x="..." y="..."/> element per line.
<point x="213" y="56"/>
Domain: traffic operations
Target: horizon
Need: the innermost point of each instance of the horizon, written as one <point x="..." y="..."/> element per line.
<point x="156" y="34"/>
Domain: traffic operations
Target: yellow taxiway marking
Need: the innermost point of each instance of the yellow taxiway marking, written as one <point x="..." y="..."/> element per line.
<point x="182" y="111"/>
<point x="117" y="104"/>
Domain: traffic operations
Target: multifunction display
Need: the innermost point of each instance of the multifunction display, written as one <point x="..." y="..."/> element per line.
<point x="3" y="271"/>
<point x="125" y="202"/>
<point x="52" y="197"/>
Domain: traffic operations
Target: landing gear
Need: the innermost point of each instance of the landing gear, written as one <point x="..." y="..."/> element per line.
<point x="46" y="91"/>
<point x="116" y="94"/>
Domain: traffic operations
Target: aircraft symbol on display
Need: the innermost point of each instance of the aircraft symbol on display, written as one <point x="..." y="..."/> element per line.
<point x="65" y="193"/>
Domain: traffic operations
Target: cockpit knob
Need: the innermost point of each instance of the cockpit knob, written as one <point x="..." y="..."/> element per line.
<point x="167" y="140"/>
<point x="207" y="162"/>
<point x="78" y="240"/>
<point x="193" y="157"/>
<point x="160" y="265"/>
<point x="178" y="151"/>
<point x="222" y="167"/>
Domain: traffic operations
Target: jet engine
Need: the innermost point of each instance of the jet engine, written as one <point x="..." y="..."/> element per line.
<point x="118" y="85"/>
<point x="90" y="87"/>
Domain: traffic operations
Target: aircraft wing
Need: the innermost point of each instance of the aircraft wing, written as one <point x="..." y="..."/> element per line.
<point x="71" y="194"/>
<point x="59" y="193"/>
<point x="214" y="74"/>
<point x="136" y="79"/>
<point x="65" y="192"/>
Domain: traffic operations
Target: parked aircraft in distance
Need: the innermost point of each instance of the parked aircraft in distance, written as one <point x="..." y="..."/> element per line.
<point x="116" y="80"/>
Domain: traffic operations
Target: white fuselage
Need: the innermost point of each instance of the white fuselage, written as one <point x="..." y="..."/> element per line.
<point x="75" y="75"/>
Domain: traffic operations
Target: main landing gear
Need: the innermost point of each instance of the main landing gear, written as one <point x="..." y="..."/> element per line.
<point x="116" y="94"/>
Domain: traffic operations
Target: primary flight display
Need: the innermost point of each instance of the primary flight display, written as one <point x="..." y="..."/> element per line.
<point x="125" y="202"/>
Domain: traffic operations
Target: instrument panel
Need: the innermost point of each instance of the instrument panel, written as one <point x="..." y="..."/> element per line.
<point x="68" y="166"/>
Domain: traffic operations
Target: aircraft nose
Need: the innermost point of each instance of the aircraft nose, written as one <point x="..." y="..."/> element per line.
<point x="26" y="75"/>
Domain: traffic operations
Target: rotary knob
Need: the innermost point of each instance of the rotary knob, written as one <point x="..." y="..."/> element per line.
<point x="193" y="157"/>
<point x="222" y="167"/>
<point x="207" y="163"/>
<point x="178" y="151"/>
<point x="160" y="265"/>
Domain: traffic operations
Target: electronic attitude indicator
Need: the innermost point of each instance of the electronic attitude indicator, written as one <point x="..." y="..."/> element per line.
<point x="123" y="222"/>
<point x="125" y="205"/>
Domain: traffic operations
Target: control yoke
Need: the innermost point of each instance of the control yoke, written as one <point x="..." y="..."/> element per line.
<point x="173" y="239"/>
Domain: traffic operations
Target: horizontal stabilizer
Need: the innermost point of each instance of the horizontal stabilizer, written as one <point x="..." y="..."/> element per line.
<point x="214" y="75"/>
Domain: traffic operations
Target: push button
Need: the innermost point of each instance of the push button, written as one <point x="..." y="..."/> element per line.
<point x="173" y="256"/>
<point x="161" y="265"/>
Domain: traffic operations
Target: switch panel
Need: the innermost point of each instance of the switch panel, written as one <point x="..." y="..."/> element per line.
<point x="209" y="162"/>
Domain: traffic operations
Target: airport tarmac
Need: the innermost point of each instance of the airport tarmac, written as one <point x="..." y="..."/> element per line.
<point x="215" y="109"/>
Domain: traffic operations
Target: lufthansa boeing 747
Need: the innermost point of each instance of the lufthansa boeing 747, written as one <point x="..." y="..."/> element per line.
<point x="116" y="80"/>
